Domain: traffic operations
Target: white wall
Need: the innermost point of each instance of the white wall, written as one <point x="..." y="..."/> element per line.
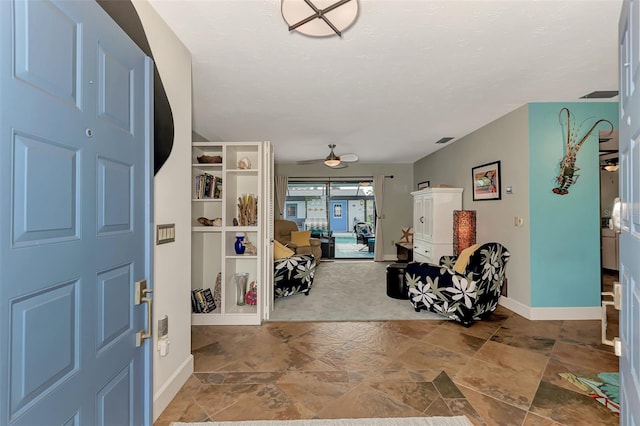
<point x="397" y="198"/>
<point x="507" y="140"/>
<point x="172" y="204"/>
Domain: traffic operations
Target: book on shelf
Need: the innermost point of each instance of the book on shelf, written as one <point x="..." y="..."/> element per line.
<point x="194" y="301"/>
<point x="207" y="186"/>
<point x="202" y="301"/>
<point x="209" y="303"/>
<point x="217" y="189"/>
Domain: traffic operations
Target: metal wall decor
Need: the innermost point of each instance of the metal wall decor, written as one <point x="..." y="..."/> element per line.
<point x="568" y="168"/>
<point x="319" y="18"/>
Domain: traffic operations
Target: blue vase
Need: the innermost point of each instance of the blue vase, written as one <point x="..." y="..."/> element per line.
<point x="238" y="245"/>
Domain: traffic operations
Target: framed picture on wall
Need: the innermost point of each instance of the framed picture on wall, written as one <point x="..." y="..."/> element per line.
<point x="423" y="185"/>
<point x="486" y="181"/>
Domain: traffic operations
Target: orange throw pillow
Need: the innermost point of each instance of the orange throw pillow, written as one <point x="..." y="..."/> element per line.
<point x="301" y="238"/>
<point x="280" y="251"/>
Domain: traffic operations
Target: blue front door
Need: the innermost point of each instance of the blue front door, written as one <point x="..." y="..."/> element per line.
<point x="338" y="216"/>
<point x="75" y="188"/>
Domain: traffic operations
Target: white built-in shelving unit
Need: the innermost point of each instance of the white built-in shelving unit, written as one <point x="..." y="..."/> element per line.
<point x="212" y="247"/>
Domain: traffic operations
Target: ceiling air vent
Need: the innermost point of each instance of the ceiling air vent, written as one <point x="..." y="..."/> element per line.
<point x="444" y="140"/>
<point x="600" y="94"/>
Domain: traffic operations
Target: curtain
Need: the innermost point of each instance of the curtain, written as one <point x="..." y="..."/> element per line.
<point x="281" y="184"/>
<point x="378" y="193"/>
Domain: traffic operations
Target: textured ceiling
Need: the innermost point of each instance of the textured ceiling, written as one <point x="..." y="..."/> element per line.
<point x="406" y="74"/>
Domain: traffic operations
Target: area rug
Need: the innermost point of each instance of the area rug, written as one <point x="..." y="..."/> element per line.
<point x="603" y="387"/>
<point x="348" y="291"/>
<point x="397" y="421"/>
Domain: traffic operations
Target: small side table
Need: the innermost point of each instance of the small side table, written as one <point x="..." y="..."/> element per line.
<point x="371" y="244"/>
<point x="404" y="251"/>
<point x="328" y="246"/>
<point x="396" y="283"/>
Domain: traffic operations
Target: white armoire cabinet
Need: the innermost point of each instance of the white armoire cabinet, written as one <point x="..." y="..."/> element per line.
<point x="243" y="170"/>
<point x="433" y="222"/>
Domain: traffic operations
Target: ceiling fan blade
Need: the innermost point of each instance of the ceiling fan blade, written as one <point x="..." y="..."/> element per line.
<point x="349" y="158"/>
<point x="317" y="160"/>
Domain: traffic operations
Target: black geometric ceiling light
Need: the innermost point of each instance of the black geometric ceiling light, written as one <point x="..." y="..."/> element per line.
<point x="319" y="18"/>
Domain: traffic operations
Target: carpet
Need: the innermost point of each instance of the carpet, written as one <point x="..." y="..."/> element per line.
<point x="348" y="291"/>
<point x="397" y="421"/>
<point x="603" y="387"/>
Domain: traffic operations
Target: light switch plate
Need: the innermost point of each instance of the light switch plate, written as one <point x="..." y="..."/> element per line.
<point x="165" y="233"/>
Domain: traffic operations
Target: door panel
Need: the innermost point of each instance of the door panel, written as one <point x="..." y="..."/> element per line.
<point x="115" y="402"/>
<point x="51" y="67"/>
<point x="39" y="161"/>
<point x="115" y="89"/>
<point x="114" y="308"/>
<point x="115" y="197"/>
<point x="54" y="309"/>
<point x="75" y="183"/>
<point x="629" y="214"/>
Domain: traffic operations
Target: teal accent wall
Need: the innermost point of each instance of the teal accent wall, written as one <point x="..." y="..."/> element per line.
<point x="565" y="229"/>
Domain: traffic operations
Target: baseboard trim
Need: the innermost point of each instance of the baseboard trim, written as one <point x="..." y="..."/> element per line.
<point x="572" y="313"/>
<point x="515" y="306"/>
<point x="555" y="313"/>
<point x="170" y="388"/>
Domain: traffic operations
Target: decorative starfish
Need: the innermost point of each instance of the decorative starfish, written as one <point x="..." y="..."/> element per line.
<point x="407" y="235"/>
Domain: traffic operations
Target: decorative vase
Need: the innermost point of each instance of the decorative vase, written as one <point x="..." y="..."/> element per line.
<point x="251" y="298"/>
<point x="241" y="279"/>
<point x="239" y="244"/>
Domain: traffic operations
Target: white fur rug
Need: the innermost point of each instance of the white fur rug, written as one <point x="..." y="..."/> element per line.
<point x="397" y="421"/>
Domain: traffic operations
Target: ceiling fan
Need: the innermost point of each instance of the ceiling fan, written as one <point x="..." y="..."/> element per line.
<point x="332" y="160"/>
<point x="609" y="162"/>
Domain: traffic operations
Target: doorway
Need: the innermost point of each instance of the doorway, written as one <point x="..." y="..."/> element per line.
<point x="609" y="236"/>
<point x="609" y="192"/>
<point x="341" y="213"/>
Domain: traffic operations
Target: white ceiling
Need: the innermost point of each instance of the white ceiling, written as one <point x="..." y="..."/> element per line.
<point x="406" y="74"/>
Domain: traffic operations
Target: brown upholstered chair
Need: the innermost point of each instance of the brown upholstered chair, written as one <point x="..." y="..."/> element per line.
<point x="282" y="232"/>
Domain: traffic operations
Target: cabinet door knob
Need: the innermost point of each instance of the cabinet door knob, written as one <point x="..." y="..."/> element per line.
<point x="421" y="219"/>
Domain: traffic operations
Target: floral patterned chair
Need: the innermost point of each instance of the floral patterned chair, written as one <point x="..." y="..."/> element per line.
<point x="293" y="275"/>
<point x="461" y="297"/>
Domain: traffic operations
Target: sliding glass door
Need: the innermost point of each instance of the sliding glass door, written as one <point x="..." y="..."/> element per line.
<point x="340" y="213"/>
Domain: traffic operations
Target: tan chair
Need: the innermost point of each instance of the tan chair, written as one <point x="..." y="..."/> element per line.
<point x="282" y="230"/>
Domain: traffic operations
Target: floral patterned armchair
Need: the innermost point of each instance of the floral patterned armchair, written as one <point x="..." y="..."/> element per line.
<point x="461" y="297"/>
<point x="293" y="275"/>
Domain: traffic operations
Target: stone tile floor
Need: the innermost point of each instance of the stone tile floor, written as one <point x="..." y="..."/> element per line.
<point x="500" y="371"/>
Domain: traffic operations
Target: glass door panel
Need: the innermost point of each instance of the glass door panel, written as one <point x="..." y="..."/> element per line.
<point x="352" y="219"/>
<point x="306" y="204"/>
<point x="342" y="213"/>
